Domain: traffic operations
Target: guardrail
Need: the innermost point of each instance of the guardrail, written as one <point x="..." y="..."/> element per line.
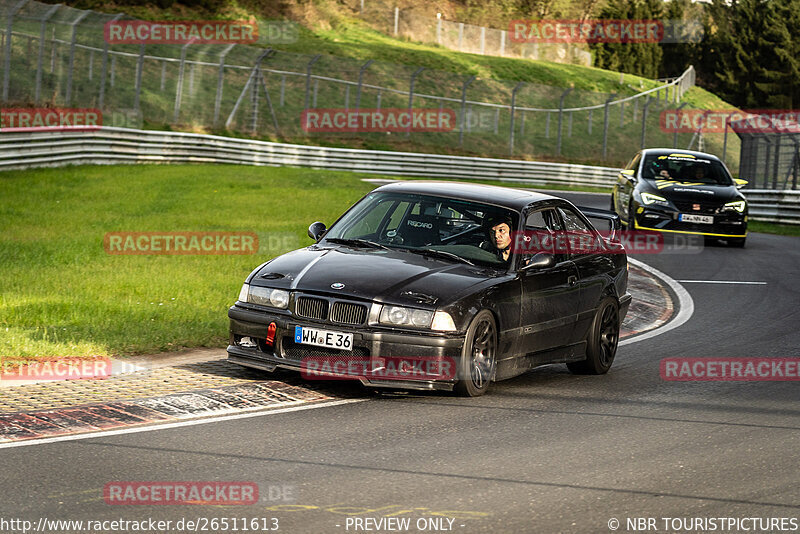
<point x="769" y="205"/>
<point x="109" y="146"/>
<point x="120" y="145"/>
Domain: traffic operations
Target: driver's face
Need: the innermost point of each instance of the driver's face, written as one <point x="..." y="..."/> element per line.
<point x="502" y="235"/>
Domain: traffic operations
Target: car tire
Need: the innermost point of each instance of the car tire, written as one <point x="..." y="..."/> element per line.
<point x="630" y="219"/>
<point x="602" y="341"/>
<point x="737" y="242"/>
<point x="478" y="361"/>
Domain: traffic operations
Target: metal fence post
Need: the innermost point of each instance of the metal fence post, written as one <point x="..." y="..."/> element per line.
<point x="561" y="118"/>
<point x="777" y="161"/>
<point x="411" y="97"/>
<point x="466" y="84"/>
<point x="269" y="53"/>
<point x="725" y="140"/>
<point x="502" y="43"/>
<point x="513" y="109"/>
<point x="179" y="88"/>
<point x="605" y="124"/>
<point x="7" y="61"/>
<point x="101" y="99"/>
<point x="396" y="20"/>
<point x="308" y="77"/>
<point x="675" y="133"/>
<point x="220" y="82"/>
<point x="361" y="71"/>
<point x="40" y="58"/>
<point x="139" y="69"/>
<point x="647" y="102"/>
<point x="74" y="26"/>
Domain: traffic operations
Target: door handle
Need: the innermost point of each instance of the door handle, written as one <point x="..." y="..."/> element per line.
<point x="572" y="280"/>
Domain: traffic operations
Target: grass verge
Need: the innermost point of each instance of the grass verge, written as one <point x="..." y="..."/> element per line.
<point x="63" y="295"/>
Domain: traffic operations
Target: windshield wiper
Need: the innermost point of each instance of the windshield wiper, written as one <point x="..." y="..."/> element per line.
<point x="440" y="253"/>
<point x="361" y="242"/>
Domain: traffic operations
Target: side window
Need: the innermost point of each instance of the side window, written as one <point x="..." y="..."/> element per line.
<point x="539" y="233"/>
<point x="634" y="162"/>
<point x="536" y="221"/>
<point x="580" y="238"/>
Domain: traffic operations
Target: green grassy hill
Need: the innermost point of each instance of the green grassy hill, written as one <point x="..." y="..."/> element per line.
<point x="346" y="42"/>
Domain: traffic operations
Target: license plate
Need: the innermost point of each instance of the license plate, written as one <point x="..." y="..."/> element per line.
<point x="323" y="338"/>
<point x="691" y="217"/>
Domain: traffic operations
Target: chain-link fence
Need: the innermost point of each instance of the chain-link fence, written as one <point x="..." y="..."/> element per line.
<point x="770" y="160"/>
<point x="56" y="56"/>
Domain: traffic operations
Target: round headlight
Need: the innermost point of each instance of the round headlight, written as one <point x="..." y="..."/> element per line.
<point x="279" y="298"/>
<point x="421" y="318"/>
<point x="398" y="315"/>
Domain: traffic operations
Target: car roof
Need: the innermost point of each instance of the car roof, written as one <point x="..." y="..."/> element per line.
<point x="507" y="197"/>
<point x="667" y="151"/>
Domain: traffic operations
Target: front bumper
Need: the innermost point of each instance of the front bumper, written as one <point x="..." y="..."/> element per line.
<point x="726" y="224"/>
<point x="369" y="344"/>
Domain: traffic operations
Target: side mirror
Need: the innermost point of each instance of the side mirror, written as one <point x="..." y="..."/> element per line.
<point x="316" y="230"/>
<point x="542" y="260"/>
<point x="740" y="183"/>
<point x="630" y="174"/>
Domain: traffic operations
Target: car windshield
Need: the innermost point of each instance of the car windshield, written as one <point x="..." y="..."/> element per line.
<point x="694" y="170"/>
<point x="445" y="228"/>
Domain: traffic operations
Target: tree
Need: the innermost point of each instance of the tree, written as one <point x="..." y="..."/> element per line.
<point x="750" y="58"/>
<point x="638" y="58"/>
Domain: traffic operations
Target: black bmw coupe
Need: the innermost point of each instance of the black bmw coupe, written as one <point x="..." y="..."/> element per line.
<point x="681" y="191"/>
<point x="435" y="285"/>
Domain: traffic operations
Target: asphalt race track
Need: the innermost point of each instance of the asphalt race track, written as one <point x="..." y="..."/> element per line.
<point x="544" y="452"/>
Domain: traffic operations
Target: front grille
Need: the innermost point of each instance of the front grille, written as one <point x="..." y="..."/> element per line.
<point x="312" y="308"/>
<point x="347" y="313"/>
<point x="688" y="207"/>
<point x="297" y="351"/>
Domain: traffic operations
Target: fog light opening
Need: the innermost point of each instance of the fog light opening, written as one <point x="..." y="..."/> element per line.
<point x="246" y="342"/>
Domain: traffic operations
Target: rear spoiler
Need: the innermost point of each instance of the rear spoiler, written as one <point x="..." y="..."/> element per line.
<point x="597" y="213"/>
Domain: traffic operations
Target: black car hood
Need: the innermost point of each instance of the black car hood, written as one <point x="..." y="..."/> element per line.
<point x="394" y="277"/>
<point x="691" y="191"/>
